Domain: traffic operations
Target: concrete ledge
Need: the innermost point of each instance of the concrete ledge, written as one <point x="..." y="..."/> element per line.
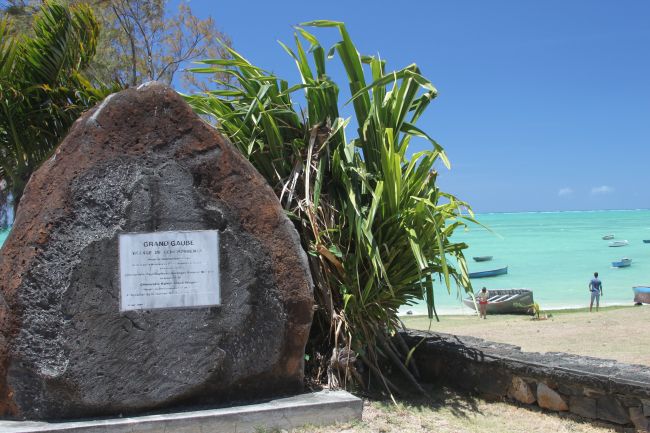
<point x="319" y="408"/>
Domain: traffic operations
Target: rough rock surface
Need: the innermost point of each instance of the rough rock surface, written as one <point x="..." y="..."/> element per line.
<point x="610" y="409"/>
<point x="519" y="390"/>
<point x="646" y="406"/>
<point x="549" y="399"/>
<point x="142" y="161"/>
<point x="639" y="420"/>
<point x="583" y="406"/>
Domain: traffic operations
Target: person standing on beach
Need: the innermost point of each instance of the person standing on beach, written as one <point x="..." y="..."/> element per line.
<point x="482" y="303"/>
<point x="596" y="289"/>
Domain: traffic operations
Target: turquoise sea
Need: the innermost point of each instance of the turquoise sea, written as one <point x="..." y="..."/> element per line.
<point x="554" y="254"/>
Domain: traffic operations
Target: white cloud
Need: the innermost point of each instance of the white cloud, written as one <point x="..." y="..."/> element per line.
<point x="564" y="192"/>
<point x="602" y="190"/>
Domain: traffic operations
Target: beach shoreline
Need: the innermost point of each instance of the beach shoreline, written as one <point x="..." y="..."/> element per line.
<point x="463" y="310"/>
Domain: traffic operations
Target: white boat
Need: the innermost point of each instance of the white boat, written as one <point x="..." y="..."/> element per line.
<point x="618" y="243"/>
<point x="505" y="301"/>
<point x="608" y="237"/>
<point x="623" y="263"/>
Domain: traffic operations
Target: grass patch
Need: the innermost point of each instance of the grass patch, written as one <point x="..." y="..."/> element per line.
<point x="447" y="411"/>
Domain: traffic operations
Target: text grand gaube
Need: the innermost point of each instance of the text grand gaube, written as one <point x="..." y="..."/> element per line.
<point x="185" y="243"/>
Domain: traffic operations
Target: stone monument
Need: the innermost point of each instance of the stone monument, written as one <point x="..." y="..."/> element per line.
<point x="150" y="266"/>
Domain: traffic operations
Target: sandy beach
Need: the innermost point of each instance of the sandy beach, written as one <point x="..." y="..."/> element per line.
<point x="618" y="333"/>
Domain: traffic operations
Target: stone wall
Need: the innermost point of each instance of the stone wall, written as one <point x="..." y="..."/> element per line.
<point x="589" y="387"/>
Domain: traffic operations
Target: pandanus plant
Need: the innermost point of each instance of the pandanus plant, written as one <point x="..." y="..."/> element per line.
<point x="377" y="228"/>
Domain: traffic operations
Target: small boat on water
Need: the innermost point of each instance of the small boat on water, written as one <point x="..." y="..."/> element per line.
<point x="618" y="243"/>
<point x="482" y="258"/>
<point x="641" y="294"/>
<point x="490" y="273"/>
<point x="506" y="301"/>
<point x="623" y="263"/>
<point x="646" y="241"/>
<point x="608" y="237"/>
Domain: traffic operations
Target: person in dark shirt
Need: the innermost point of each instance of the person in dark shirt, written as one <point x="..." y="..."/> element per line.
<point x="596" y="289"/>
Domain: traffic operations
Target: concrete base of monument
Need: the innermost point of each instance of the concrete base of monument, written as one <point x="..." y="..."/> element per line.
<point x="318" y="408"/>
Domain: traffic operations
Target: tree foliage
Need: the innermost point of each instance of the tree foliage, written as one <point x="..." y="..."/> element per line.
<point x="150" y="44"/>
<point x="140" y="40"/>
<point x="377" y="227"/>
<point x="43" y="88"/>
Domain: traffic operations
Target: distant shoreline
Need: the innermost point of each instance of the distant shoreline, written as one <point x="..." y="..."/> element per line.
<point x="554" y="310"/>
<point x="557" y="211"/>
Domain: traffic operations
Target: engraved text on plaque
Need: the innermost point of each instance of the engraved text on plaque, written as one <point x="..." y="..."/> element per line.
<point x="169" y="269"/>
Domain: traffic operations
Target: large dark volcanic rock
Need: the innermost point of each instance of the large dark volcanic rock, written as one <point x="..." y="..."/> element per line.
<point x="143" y="162"/>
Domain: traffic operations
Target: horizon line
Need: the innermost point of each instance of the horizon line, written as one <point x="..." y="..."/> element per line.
<point x="561" y="211"/>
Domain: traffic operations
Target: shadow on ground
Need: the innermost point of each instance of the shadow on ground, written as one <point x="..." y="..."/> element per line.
<point x="447" y="410"/>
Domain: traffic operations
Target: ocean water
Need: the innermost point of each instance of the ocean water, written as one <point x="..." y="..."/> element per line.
<point x="555" y="254"/>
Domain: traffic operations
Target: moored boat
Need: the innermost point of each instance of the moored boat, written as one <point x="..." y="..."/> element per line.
<point x="641" y="294"/>
<point x="646" y="241"/>
<point x="623" y="263"/>
<point x="506" y="301"/>
<point x="618" y="243"/>
<point x="489" y="273"/>
<point x="482" y="258"/>
<point x="608" y="237"/>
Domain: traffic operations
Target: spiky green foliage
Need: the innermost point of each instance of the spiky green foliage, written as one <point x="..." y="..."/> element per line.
<point x="42" y="87"/>
<point x="376" y="226"/>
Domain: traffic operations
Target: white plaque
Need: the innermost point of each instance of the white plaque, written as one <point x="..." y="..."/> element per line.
<point x="169" y="269"/>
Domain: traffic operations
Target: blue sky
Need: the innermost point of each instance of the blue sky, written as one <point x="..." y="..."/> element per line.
<point x="543" y="105"/>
